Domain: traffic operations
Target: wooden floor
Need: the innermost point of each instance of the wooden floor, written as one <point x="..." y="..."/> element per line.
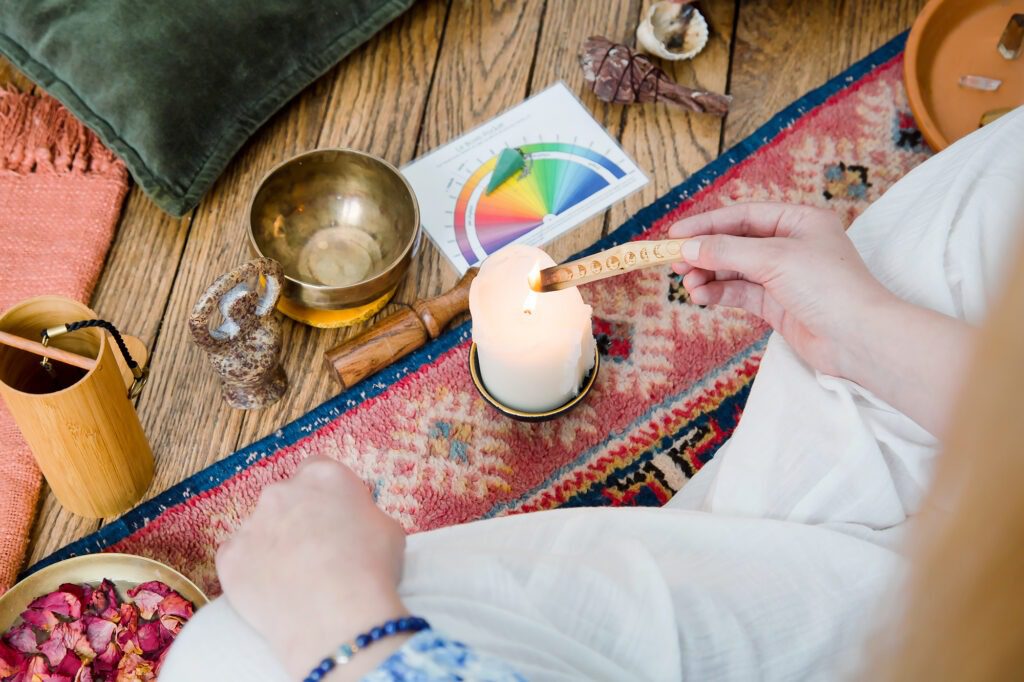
<point x="443" y="68"/>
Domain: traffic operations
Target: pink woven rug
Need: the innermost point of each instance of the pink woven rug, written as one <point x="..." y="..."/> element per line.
<point x="672" y="384"/>
<point x="60" y="196"/>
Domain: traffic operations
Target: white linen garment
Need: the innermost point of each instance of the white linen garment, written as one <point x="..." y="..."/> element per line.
<point x="767" y="564"/>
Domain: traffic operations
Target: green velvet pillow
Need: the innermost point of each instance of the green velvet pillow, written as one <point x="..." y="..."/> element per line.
<point x="176" y="87"/>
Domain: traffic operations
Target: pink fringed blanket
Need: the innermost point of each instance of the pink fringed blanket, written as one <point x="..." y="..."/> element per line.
<point x="60" y="197"/>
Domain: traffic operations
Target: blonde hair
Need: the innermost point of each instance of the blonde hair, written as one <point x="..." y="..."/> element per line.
<point x="963" y="618"/>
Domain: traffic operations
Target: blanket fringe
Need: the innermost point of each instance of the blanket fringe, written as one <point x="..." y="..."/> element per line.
<point x="38" y="135"/>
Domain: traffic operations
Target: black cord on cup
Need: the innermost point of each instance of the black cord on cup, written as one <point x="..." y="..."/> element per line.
<point x="139" y="373"/>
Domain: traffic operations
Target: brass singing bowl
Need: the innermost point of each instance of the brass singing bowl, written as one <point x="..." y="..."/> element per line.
<point x="343" y="224"/>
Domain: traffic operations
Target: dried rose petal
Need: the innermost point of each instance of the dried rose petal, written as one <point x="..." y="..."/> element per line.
<point x="99" y="631"/>
<point x="37" y="665"/>
<point x="54" y="650"/>
<point x="134" y="668"/>
<point x="129" y="617"/>
<point x="24" y="639"/>
<point x="147" y="601"/>
<point x="160" y="660"/>
<point x="84" y="674"/>
<point x="152" y="586"/>
<point x="79" y="592"/>
<point x="60" y="603"/>
<point x="104" y="601"/>
<point x="128" y="641"/>
<point x="70" y="665"/>
<point x="174" y="610"/>
<point x="73" y="637"/>
<point x="11" y="660"/>
<point x="107" y="661"/>
<point x="149" y="637"/>
<point x="41" y="620"/>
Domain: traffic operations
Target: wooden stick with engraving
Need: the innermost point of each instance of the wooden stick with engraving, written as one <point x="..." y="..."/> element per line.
<point x="617" y="260"/>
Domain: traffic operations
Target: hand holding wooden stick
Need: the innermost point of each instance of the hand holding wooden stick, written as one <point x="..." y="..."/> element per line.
<point x="617" y="260"/>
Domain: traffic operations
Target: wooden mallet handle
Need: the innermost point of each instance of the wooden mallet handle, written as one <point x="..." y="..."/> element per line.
<point x="617" y="260"/>
<point x="397" y="335"/>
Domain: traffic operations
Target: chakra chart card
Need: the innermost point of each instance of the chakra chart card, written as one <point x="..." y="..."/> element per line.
<point x="574" y="170"/>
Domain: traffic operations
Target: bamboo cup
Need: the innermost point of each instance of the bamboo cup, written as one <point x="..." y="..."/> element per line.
<point x="82" y="428"/>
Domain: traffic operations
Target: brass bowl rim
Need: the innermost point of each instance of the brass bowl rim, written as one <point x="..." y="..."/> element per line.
<point x="522" y="415"/>
<point x="373" y="157"/>
<point x="183" y="583"/>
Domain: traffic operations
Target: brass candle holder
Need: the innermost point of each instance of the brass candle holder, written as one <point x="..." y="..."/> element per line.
<point x="520" y="415"/>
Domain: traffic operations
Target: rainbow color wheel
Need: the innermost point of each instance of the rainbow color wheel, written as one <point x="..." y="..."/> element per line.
<point x="560" y="177"/>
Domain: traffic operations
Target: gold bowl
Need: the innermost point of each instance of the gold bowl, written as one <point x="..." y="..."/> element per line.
<point x="344" y="225"/>
<point x="124" y="570"/>
<point x="520" y="415"/>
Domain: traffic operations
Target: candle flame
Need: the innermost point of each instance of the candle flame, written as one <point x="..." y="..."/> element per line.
<point x="533" y="279"/>
<point x="530" y="303"/>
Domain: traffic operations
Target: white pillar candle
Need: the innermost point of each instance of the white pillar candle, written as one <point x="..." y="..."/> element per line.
<point x="534" y="349"/>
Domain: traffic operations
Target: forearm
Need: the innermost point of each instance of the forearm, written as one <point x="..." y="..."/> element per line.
<point x="913" y="358"/>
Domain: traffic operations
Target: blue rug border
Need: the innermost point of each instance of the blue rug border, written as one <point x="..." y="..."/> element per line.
<point x="330" y="410"/>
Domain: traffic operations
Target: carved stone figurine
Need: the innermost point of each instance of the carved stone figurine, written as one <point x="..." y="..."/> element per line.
<point x="235" y="324"/>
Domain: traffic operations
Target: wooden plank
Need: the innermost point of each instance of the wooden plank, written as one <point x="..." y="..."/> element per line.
<point x="566" y="26"/>
<point x="484" y="68"/>
<point x="378" y="100"/>
<point x="143" y="260"/>
<point x="189" y="425"/>
<point x="786" y="48"/>
<point x="669" y="143"/>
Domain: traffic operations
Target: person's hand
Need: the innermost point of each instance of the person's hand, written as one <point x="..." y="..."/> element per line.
<point x="792" y="266"/>
<point x="316" y="564"/>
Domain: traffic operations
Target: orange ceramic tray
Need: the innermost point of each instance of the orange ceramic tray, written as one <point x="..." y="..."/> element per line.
<point x="950" y="39"/>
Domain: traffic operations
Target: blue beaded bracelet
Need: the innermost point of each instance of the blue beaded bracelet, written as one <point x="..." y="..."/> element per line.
<point x="346" y="651"/>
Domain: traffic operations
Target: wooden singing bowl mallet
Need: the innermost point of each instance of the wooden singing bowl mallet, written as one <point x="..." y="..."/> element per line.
<point x="397" y="335"/>
<point x="617" y="260"/>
